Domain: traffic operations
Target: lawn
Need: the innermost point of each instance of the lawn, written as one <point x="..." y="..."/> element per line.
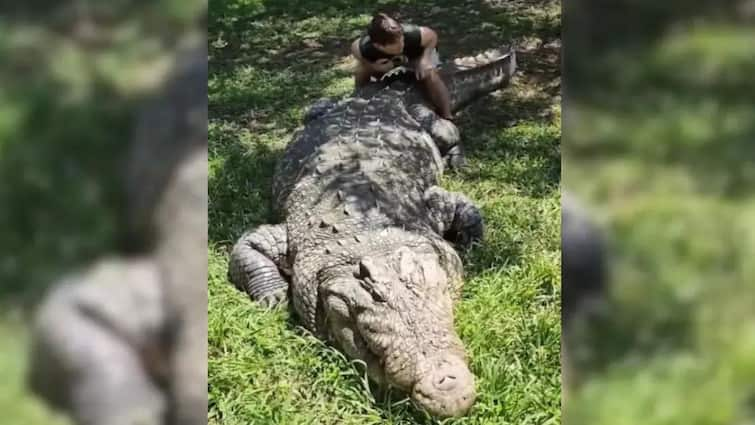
<point x="268" y="61"/>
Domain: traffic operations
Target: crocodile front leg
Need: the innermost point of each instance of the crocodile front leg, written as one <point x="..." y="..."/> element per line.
<point x="444" y="133"/>
<point x="256" y="261"/>
<point x="454" y="216"/>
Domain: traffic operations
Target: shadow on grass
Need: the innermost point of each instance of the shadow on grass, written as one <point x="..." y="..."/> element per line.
<point x="239" y="189"/>
<point x="506" y="137"/>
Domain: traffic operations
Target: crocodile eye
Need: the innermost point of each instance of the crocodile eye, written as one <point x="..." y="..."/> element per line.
<point x="364" y="271"/>
<point x="369" y="286"/>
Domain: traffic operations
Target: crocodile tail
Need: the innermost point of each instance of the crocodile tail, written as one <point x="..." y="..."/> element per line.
<point x="472" y="77"/>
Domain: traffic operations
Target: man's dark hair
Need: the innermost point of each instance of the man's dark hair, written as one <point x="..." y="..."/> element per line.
<point x="384" y="30"/>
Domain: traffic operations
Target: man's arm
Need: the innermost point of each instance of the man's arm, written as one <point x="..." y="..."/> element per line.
<point x="362" y="73"/>
<point x="425" y="72"/>
<point x="366" y="69"/>
<point x="428" y="41"/>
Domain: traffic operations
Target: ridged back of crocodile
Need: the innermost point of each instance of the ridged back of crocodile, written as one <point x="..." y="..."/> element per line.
<point x="355" y="140"/>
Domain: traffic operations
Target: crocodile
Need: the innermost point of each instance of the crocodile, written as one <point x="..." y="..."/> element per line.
<point x="368" y="245"/>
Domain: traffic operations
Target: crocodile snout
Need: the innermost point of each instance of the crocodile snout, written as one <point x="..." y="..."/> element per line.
<point x="447" y="390"/>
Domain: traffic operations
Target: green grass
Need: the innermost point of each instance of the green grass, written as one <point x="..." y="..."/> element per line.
<point x="269" y="60"/>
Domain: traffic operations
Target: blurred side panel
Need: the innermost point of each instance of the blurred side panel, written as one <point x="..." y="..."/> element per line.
<point x="103" y="211"/>
<point x="659" y="154"/>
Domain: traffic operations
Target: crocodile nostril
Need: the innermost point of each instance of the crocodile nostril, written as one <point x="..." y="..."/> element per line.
<point x="446" y="383"/>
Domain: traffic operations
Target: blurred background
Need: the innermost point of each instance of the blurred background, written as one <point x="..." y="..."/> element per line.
<point x="659" y="150"/>
<point x="72" y="78"/>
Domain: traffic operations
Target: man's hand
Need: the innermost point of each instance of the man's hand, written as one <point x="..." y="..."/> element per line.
<point x="423" y="67"/>
<point x="381" y="66"/>
<point x="365" y="69"/>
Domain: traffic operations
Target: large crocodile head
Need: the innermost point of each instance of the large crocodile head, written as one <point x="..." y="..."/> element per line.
<point x="394" y="312"/>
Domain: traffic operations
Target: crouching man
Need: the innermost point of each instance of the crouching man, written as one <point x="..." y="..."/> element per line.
<point x="389" y="44"/>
